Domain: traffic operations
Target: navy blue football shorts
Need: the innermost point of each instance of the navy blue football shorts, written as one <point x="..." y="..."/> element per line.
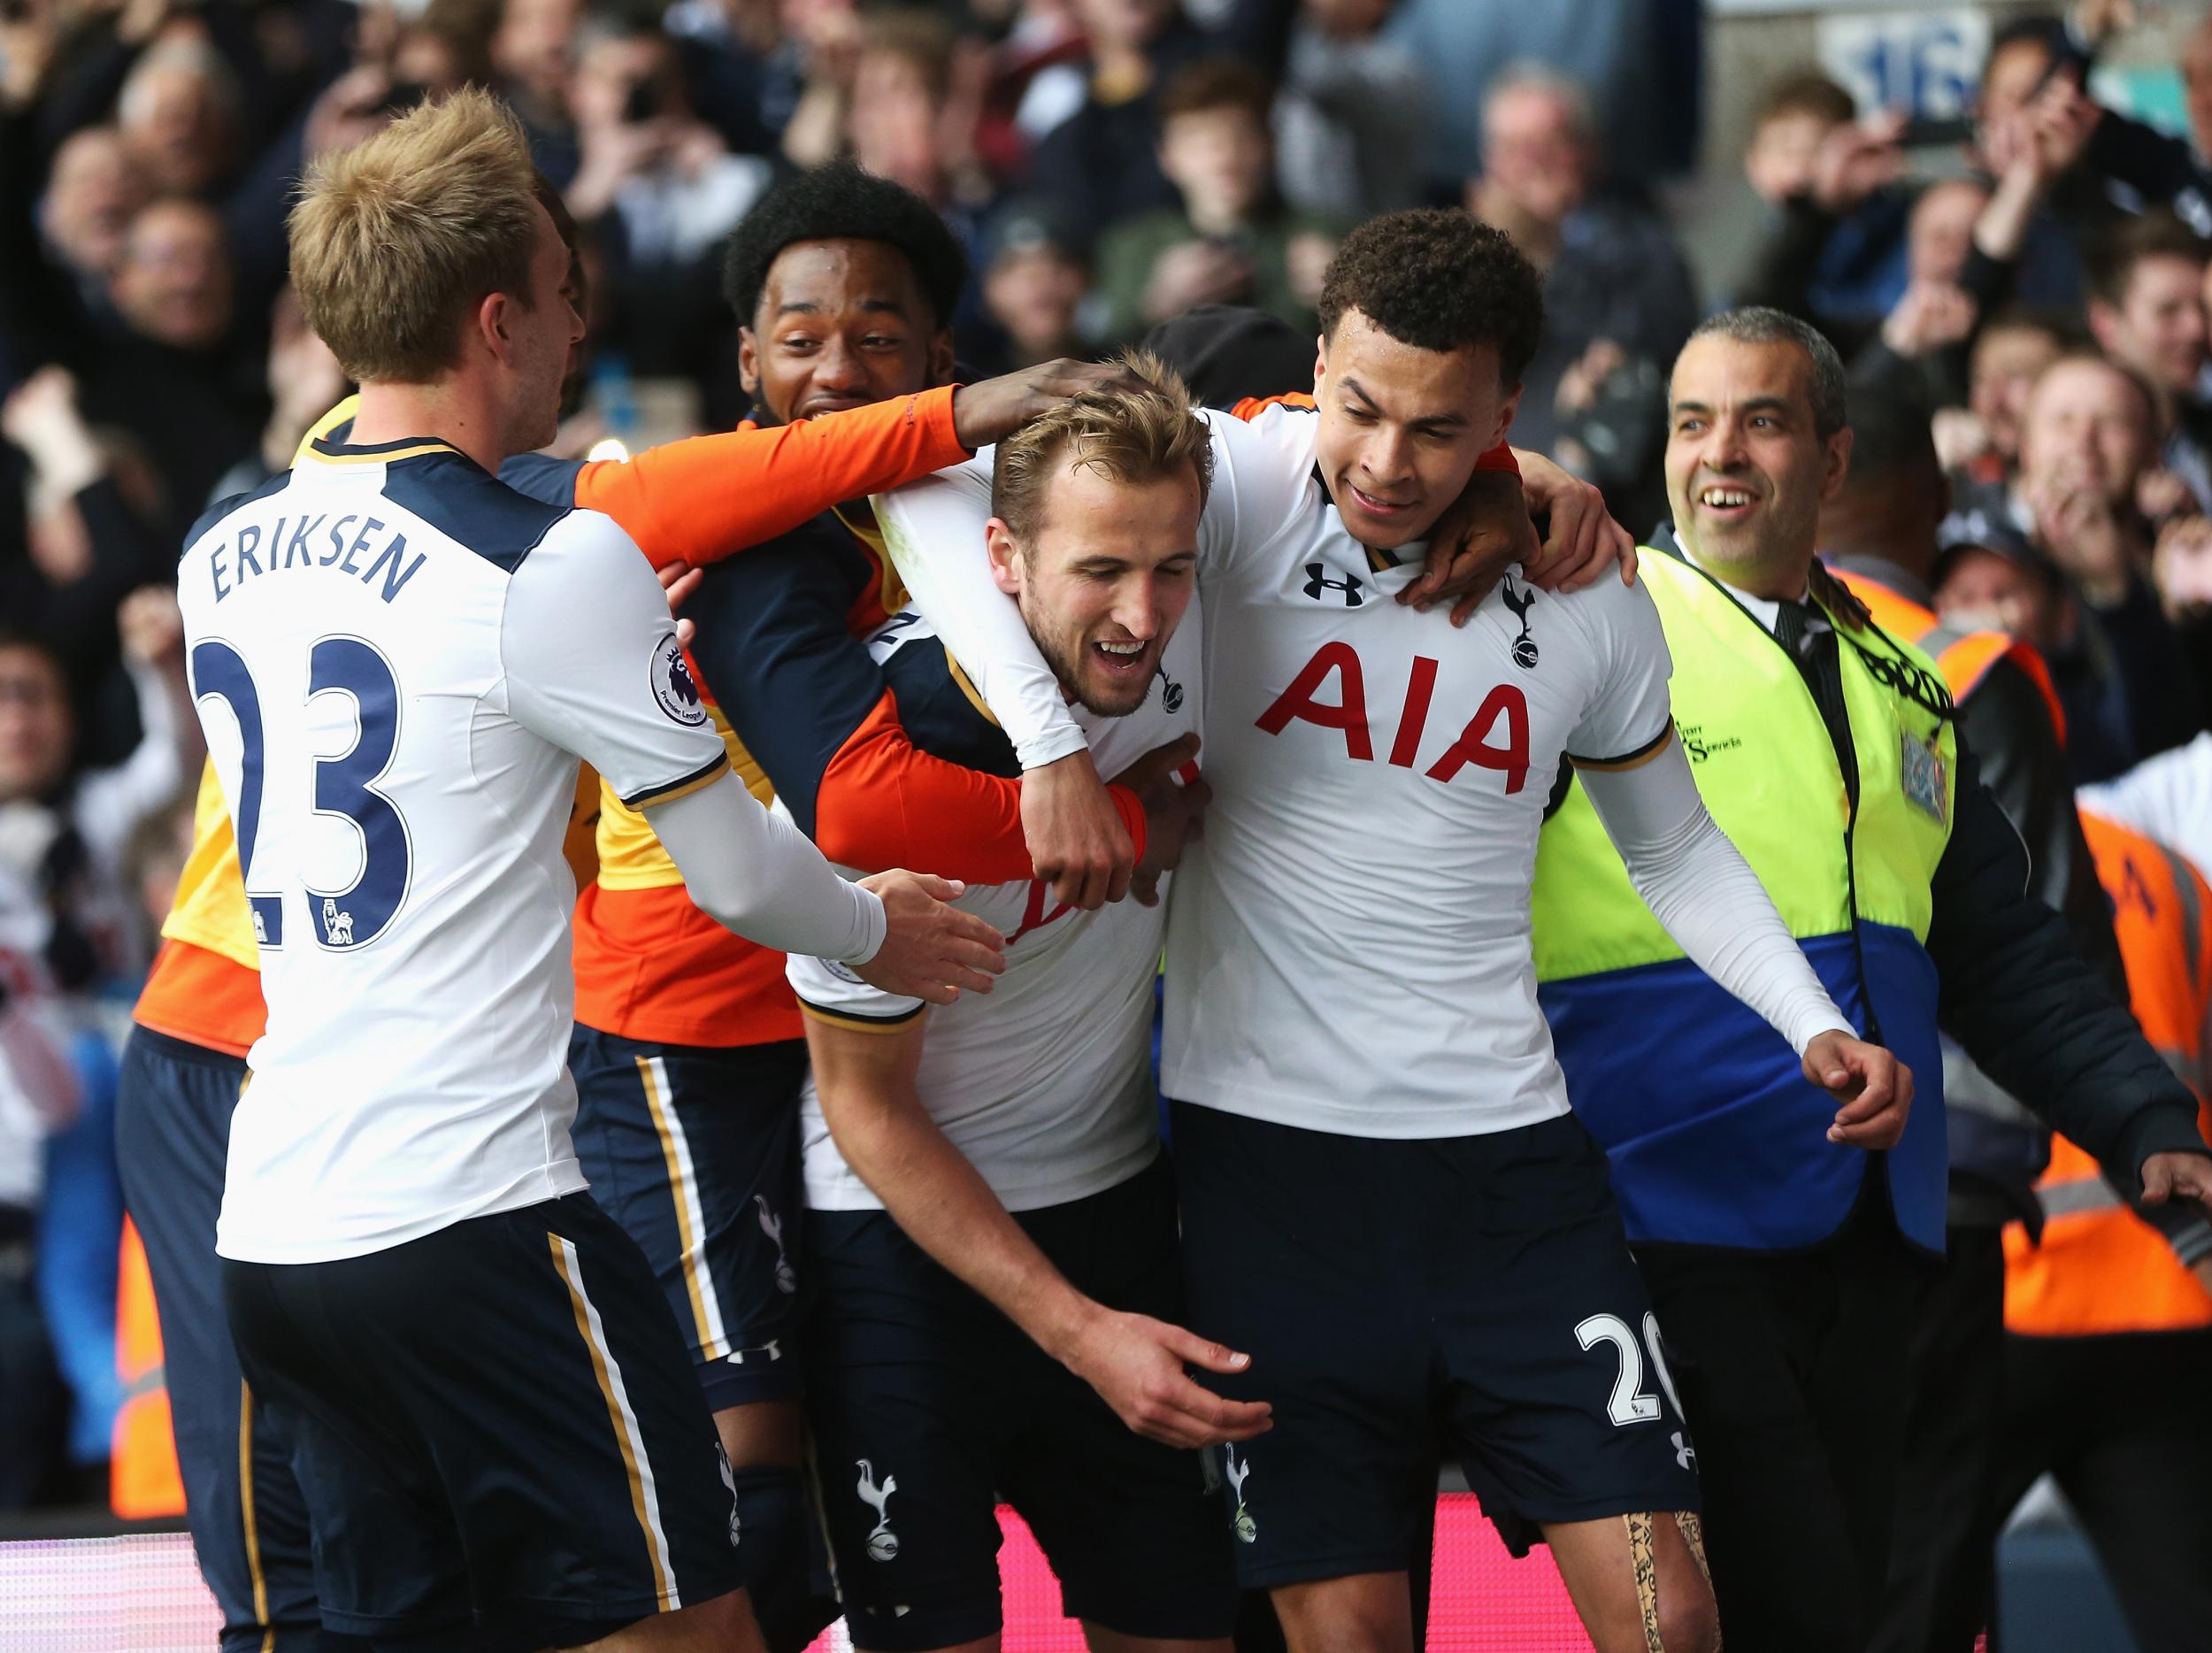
<point x="694" y="1150"/>
<point x="248" y="1522"/>
<point x="927" y="1404"/>
<point x="501" y="1443"/>
<point x="1403" y="1299"/>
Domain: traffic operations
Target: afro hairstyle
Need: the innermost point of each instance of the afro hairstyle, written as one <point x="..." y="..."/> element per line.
<point x="840" y="202"/>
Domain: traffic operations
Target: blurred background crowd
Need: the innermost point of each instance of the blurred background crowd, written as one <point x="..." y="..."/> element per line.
<point x="2025" y="274"/>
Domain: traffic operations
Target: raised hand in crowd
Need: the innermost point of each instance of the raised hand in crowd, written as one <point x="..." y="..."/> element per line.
<point x="1931" y="316"/>
<point x="1855" y="160"/>
<point x="2181" y="565"/>
<point x="2082" y="532"/>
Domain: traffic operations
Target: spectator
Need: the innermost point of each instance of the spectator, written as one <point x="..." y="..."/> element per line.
<point x="656" y="193"/>
<point x="1354" y="104"/>
<point x="1790" y="133"/>
<point x="2146" y="167"/>
<point x="67" y="832"/>
<point x="1232" y="240"/>
<point x="1034" y="288"/>
<point x="746" y="69"/>
<point x="2146" y="310"/>
<point x="1613" y="274"/>
<point x="86" y="545"/>
<point x="2089" y="436"/>
<point x="180" y="117"/>
<point x="1980" y="444"/>
<point x="95" y="188"/>
<point x="1610" y="47"/>
<point x="1828" y="179"/>
<point x="533" y="52"/>
<point x="1100" y="165"/>
<point x="177" y="374"/>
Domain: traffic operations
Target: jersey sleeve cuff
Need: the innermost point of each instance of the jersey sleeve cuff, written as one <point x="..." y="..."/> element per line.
<point x="931" y="411"/>
<point x="896" y="1015"/>
<point x="1132" y="809"/>
<point x="683" y="786"/>
<point x="1642" y="754"/>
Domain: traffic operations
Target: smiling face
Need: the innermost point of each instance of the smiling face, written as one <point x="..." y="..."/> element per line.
<point x="2087" y="426"/>
<point x="2158" y="326"/>
<point x="840" y="324"/>
<point x="1104" y="580"/>
<point x="1747" y="470"/>
<point x="1402" y="428"/>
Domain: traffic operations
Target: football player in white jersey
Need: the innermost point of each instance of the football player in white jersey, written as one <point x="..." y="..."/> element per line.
<point x="1386" y="1200"/>
<point x="992" y="1226"/>
<point x="398" y="660"/>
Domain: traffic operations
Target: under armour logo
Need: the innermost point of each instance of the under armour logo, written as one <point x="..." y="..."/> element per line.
<point x="337" y="927"/>
<point x="1685" y="1453"/>
<point x="1317" y="580"/>
<point x="1171" y="691"/>
<point x="772" y="1348"/>
<point x="1520" y="603"/>
<point x="883" y="1544"/>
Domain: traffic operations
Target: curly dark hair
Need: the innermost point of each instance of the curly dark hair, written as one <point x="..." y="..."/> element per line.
<point x="1438" y="279"/>
<point x="840" y="202"/>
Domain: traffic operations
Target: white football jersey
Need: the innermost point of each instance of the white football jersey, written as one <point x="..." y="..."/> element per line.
<point x="1348" y="948"/>
<point x="1044" y="1083"/>
<point x="398" y="660"/>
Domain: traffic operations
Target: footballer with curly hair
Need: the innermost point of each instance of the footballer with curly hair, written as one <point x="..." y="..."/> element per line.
<point x="1386" y="1202"/>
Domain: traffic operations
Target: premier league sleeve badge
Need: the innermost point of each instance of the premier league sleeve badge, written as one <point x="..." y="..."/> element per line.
<point x="1920" y="771"/>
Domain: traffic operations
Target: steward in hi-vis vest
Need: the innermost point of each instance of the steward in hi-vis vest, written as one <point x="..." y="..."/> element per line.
<point x="1713" y="1133"/>
<point x="1784" y="1268"/>
<point x="2109" y="1351"/>
<point x="2098" y="1267"/>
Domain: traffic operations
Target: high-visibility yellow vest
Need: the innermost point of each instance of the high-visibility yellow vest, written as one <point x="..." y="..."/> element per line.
<point x="2101" y="1268"/>
<point x="1715" y="1137"/>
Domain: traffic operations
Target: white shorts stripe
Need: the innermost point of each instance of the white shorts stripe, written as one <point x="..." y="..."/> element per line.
<point x="644" y="1493"/>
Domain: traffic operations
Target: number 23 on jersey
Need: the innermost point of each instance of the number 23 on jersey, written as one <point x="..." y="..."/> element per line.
<point x="341" y="785"/>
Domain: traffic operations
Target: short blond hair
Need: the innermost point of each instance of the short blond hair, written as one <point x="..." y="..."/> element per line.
<point x="1129" y="436"/>
<point x="395" y="239"/>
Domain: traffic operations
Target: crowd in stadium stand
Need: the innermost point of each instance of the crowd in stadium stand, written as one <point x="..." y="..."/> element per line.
<point x="1109" y="165"/>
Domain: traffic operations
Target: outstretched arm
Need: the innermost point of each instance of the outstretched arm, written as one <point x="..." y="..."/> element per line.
<point x="866" y="1081"/>
<point x="1711" y="902"/>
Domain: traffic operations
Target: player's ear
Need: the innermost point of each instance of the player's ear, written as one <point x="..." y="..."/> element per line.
<point x="998" y="539"/>
<point x="1507" y="409"/>
<point x="491" y="323"/>
<point x="941" y="363"/>
<point x="748" y="361"/>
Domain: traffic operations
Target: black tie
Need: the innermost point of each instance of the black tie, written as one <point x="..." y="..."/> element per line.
<point x="1813" y="651"/>
<point x="1789" y="631"/>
